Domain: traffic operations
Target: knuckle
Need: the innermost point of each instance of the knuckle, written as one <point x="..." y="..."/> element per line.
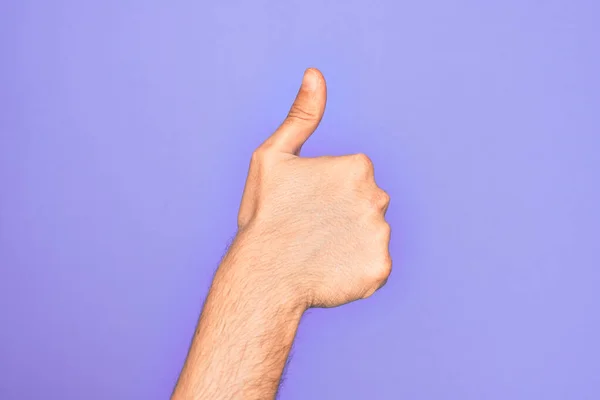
<point x="380" y="199"/>
<point x="363" y="162"/>
<point x="379" y="278"/>
<point x="386" y="231"/>
<point x="302" y="113"/>
<point x="263" y="155"/>
<point x="387" y="266"/>
<point x="258" y="155"/>
<point x="385" y="197"/>
<point x="382" y="232"/>
<point x="383" y="271"/>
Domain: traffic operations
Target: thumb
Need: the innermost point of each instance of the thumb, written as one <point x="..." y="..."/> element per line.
<point x="304" y="116"/>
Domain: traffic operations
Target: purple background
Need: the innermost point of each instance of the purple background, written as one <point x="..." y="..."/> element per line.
<point x="126" y="129"/>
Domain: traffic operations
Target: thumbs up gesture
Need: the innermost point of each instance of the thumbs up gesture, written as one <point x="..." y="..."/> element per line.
<point x="315" y="224"/>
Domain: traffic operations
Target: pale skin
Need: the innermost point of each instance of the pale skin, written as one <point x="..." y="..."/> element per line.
<point x="311" y="233"/>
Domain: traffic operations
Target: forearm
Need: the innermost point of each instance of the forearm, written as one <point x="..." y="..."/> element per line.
<point x="245" y="333"/>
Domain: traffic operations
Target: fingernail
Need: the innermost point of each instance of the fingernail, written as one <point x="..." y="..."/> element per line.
<point x="310" y="80"/>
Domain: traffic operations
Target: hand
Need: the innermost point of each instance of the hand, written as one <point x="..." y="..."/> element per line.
<point x="311" y="234"/>
<point x="319" y="221"/>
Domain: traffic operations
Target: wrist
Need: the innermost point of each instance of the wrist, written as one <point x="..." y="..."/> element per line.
<point x="258" y="271"/>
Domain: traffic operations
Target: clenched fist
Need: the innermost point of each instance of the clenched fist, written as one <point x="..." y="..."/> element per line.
<point x="321" y="219"/>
